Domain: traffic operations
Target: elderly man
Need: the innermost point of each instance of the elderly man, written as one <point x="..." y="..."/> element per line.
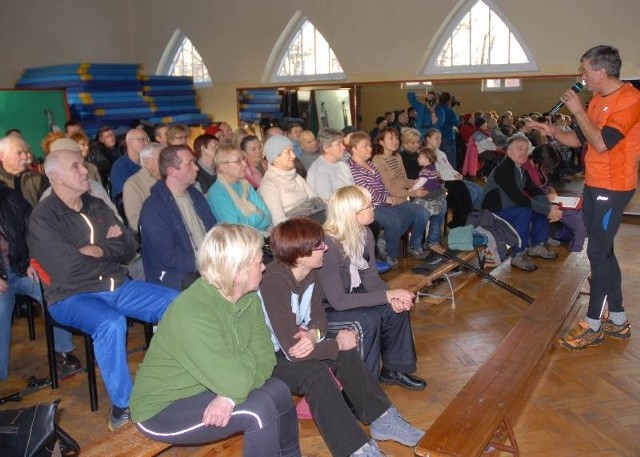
<point x="129" y="164"/>
<point x="610" y="129"/>
<point x="138" y="187"/>
<point x="511" y="194"/>
<point x="174" y="219"/>
<point x="309" y="147"/>
<point x="29" y="186"/>
<point x="82" y="246"/>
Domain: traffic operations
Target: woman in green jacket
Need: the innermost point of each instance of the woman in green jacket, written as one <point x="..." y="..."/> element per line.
<point x="207" y="373"/>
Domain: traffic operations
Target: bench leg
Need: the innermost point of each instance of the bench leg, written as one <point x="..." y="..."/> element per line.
<point x="512" y="447"/>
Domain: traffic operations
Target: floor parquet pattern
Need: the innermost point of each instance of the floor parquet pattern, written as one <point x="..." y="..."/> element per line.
<point x="585" y="403"/>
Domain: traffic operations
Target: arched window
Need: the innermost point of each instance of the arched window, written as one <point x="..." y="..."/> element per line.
<point x="302" y="54"/>
<point x="181" y="58"/>
<point x="479" y="39"/>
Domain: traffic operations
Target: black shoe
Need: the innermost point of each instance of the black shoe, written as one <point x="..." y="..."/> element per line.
<point x="66" y="361"/>
<point x="402" y="379"/>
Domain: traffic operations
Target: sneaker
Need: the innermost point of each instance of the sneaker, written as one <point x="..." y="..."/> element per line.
<point x="116" y="423"/>
<point x="520" y="260"/>
<point x="617" y="331"/>
<point x="552" y="242"/>
<point x="392" y="426"/>
<point x="541" y="251"/>
<point x="370" y="449"/>
<point x="582" y="336"/>
<point x="418" y="253"/>
<point x="393" y="263"/>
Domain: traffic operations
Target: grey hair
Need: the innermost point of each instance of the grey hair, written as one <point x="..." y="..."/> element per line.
<point x="327" y="136"/>
<point x="606" y="57"/>
<point x="147" y="151"/>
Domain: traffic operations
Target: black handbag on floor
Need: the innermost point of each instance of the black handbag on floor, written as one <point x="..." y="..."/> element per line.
<point x="32" y="432"/>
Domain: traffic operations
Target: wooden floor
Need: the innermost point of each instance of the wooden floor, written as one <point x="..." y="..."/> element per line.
<point x="585" y="404"/>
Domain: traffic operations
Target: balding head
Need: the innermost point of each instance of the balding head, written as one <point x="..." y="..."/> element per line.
<point x="67" y="173"/>
<point x="14" y="155"/>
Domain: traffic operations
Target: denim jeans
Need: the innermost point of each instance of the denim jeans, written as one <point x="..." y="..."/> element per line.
<point x="103" y="316"/>
<point x="22" y="285"/>
<point x="529" y="225"/>
<point x="395" y="220"/>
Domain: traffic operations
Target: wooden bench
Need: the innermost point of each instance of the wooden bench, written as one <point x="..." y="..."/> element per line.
<point x="486" y="403"/>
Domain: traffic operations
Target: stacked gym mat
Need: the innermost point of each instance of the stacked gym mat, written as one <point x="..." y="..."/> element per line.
<point x="118" y="95"/>
<point x="255" y="104"/>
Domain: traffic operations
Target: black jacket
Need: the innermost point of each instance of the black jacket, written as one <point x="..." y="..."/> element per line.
<point x="14" y="216"/>
<point x="56" y="233"/>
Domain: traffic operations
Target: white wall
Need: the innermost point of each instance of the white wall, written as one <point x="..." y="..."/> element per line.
<point x="375" y="40"/>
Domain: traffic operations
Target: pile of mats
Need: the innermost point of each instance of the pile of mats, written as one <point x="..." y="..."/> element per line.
<point x="256" y="104"/>
<point x="118" y="95"/>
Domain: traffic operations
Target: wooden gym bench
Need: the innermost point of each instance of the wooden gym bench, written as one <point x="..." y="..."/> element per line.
<point x="126" y="441"/>
<point x="487" y="403"/>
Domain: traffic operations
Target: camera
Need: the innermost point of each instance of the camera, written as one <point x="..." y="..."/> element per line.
<point x="431" y="102"/>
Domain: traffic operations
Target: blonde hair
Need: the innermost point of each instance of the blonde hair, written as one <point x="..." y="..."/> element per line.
<point x="408" y="134"/>
<point x="225" y="250"/>
<point x="342" y="223"/>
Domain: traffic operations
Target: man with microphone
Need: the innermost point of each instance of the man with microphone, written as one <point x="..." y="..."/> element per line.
<point x="611" y="129"/>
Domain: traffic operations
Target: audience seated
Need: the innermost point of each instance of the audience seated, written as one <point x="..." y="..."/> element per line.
<point x="105" y="145"/>
<point x="81" y="246"/>
<point x="353" y="291"/>
<point x="257" y="166"/>
<point x="309" y="148"/>
<point x="543" y="159"/>
<point x="174" y="219"/>
<point x="389" y="163"/>
<point x="203" y="379"/>
<point x="511" y="194"/>
<point x="329" y="172"/>
<point x="205" y="147"/>
<point x="177" y="135"/>
<point x="95" y="173"/>
<point x="394" y="218"/>
<point x="138" y="187"/>
<point x="127" y="165"/>
<point x="293" y="131"/>
<point x="459" y="196"/>
<point x="160" y="134"/>
<point x="231" y="198"/>
<point x="306" y="356"/>
<point x="95" y="188"/>
<point x="28" y="187"/>
<point x="285" y="192"/>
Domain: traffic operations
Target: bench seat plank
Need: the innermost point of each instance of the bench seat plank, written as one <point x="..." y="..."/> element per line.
<point x="469" y="422"/>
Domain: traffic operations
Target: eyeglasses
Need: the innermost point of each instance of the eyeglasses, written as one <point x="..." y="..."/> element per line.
<point x="321" y="247"/>
<point x="371" y="206"/>
<point x="144" y="139"/>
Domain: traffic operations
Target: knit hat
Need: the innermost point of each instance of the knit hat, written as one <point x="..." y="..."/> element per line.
<point x="65" y="144"/>
<point x="274" y="147"/>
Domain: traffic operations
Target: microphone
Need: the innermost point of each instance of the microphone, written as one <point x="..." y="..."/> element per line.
<point x="577" y="88"/>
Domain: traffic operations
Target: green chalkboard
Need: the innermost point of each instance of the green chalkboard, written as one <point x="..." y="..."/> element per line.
<point x="26" y="110"/>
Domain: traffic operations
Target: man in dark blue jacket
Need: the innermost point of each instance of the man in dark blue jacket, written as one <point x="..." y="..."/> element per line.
<point x="174" y="219"/>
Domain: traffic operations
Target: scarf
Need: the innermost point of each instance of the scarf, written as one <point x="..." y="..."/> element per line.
<point x="358" y="263"/>
<point x="245" y="206"/>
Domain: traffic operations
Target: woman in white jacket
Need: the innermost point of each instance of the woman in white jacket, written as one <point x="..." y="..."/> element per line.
<point x="285" y="192"/>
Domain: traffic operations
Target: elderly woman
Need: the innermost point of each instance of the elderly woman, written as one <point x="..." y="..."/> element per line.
<point x="394" y="217"/>
<point x="205" y="147"/>
<point x="231" y="198"/>
<point x="353" y="291"/>
<point x="329" y="172"/>
<point x="207" y="373"/>
<point x="285" y="192"/>
<point x="256" y="165"/>
<point x="306" y="355"/>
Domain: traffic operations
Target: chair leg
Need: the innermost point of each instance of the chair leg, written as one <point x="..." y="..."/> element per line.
<point x="30" y="321"/>
<point x="51" y="352"/>
<point x="91" y="372"/>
